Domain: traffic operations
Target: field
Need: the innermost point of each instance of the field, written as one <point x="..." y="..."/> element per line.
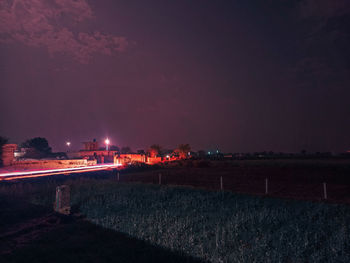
<point x="33" y="233"/>
<point x="293" y="179"/>
<point x="209" y="225"/>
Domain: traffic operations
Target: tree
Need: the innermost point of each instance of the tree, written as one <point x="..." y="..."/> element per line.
<point x="183" y="150"/>
<point x="141" y="151"/>
<point x="126" y="149"/>
<point x="202" y="153"/>
<point x="3" y="141"/>
<point x="114" y="148"/>
<point x="154" y="150"/>
<point x="39" y="145"/>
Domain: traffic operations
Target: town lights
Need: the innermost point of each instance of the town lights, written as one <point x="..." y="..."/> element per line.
<point x="107" y="143"/>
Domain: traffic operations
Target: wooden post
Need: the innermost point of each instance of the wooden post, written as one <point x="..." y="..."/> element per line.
<point x="325" y="190"/>
<point x="160" y="178"/>
<point x="221" y="184"/>
<point x="266" y="186"/>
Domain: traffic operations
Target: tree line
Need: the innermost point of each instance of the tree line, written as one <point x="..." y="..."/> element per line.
<point x="39" y="147"/>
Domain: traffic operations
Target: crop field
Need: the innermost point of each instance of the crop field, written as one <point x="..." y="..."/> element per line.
<point x="209" y="225"/>
<point x="223" y="227"/>
<point x="293" y="179"/>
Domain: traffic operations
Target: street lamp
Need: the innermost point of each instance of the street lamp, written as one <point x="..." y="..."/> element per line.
<point x="68" y="144"/>
<point x="107" y="143"/>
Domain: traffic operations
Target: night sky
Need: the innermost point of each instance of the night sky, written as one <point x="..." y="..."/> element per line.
<point x="237" y="75"/>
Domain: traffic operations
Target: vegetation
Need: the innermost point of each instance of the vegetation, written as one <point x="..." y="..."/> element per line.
<point x="155" y="150"/>
<point x="31" y="233"/>
<point x="40" y="147"/>
<point x="183" y="150"/>
<point x="126" y="149"/>
<point x="214" y="226"/>
<point x="113" y="148"/>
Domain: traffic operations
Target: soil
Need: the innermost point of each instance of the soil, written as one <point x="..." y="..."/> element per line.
<point x="305" y="182"/>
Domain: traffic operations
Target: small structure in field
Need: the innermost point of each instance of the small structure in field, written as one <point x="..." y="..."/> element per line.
<point x="62" y="203"/>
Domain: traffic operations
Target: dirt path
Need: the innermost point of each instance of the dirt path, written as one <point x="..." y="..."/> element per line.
<point x="23" y="233"/>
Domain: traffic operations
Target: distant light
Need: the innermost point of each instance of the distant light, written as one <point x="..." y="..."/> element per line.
<point x="189" y="153"/>
<point x="208" y="152"/>
<point x="68" y="144"/>
<point x="167" y="156"/>
<point x="107" y="143"/>
<point x="217" y="151"/>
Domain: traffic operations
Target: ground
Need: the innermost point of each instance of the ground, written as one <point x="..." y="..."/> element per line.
<point x="295" y="179"/>
<point x="32" y="233"/>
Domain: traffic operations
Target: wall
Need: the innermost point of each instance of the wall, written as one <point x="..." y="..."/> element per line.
<point x="8" y="154"/>
<point x="107" y="155"/>
<point x="129" y="158"/>
<point x="98" y="153"/>
<point x="154" y="160"/>
<point x="52" y="164"/>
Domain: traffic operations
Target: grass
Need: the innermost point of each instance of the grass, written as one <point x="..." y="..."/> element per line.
<point x="85" y="242"/>
<point x="213" y="226"/>
<point x="224" y="227"/>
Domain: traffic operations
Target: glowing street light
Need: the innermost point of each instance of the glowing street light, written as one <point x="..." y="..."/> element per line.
<point x="107" y="143"/>
<point x="68" y="144"/>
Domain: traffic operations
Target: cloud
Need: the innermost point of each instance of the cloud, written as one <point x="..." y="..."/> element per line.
<point x="323" y="8"/>
<point x="53" y="24"/>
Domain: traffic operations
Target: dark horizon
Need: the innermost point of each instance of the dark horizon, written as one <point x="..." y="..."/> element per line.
<point x="239" y="76"/>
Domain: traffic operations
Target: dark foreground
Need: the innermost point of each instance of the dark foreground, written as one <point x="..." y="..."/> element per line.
<point x="30" y="233"/>
<point x="218" y="226"/>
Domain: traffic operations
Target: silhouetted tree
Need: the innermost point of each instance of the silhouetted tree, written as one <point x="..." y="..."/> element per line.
<point x="154" y="150"/>
<point x="125" y="149"/>
<point x="39" y="145"/>
<point x="141" y="151"/>
<point x="114" y="148"/>
<point x="183" y="150"/>
<point x="3" y="141"/>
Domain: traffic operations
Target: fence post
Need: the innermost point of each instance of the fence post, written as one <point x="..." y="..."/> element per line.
<point x="266" y="186"/>
<point x="160" y="178"/>
<point x="221" y="184"/>
<point x="325" y="190"/>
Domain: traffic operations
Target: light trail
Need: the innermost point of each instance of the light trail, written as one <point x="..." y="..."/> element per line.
<point x="40" y="173"/>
